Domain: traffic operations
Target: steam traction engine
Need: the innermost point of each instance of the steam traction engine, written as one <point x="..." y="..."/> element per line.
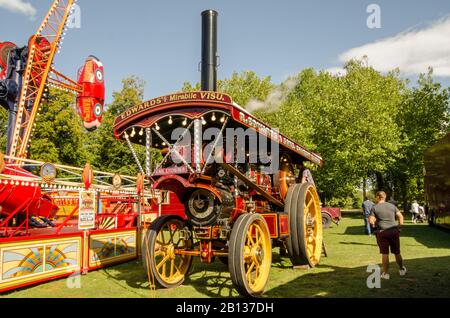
<point x="235" y="210"/>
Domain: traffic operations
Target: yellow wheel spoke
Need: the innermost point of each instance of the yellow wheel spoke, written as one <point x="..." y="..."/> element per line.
<point x="310" y="248"/>
<point x="172" y="267"/>
<point x="249" y="271"/>
<point x="158" y="253"/>
<point x="249" y="235"/>
<point x="164" y="272"/>
<point x="247" y="252"/>
<point x="260" y="242"/>
<point x="163" y="262"/>
<point x="309" y="203"/>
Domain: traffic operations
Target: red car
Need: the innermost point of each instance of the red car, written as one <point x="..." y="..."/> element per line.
<point x="331" y="215"/>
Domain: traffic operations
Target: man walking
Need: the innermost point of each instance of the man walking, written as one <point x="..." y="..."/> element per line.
<point x="384" y="216"/>
<point x="367" y="209"/>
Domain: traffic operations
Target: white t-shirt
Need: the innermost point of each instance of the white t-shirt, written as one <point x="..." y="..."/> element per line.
<point x="415" y="208"/>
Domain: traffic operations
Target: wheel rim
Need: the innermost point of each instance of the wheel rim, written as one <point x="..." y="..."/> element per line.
<point x="313" y="226"/>
<point x="169" y="264"/>
<point x="257" y="256"/>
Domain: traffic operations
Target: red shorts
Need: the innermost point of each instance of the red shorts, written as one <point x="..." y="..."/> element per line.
<point x="389" y="239"/>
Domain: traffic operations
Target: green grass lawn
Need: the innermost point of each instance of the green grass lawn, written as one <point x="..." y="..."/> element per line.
<point x="343" y="274"/>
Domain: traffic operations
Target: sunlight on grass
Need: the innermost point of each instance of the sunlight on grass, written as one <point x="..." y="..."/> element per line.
<point x="342" y="274"/>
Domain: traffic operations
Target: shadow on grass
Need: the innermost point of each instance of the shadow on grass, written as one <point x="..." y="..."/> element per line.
<point x="429" y="237"/>
<point x="212" y="280"/>
<point x="427" y="277"/>
<point x="132" y="273"/>
<point x="356" y="243"/>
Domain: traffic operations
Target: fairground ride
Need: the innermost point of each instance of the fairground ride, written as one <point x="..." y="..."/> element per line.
<point x="57" y="220"/>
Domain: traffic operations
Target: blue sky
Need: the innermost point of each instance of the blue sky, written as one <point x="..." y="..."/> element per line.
<point x="159" y="41"/>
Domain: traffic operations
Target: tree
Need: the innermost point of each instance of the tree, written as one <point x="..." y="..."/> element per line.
<point x="59" y="136"/>
<point x="423" y="119"/>
<point x="111" y="154"/>
<point x="349" y="120"/>
<point x="242" y="87"/>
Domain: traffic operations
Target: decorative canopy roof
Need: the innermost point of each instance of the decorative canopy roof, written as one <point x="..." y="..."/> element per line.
<point x="196" y="105"/>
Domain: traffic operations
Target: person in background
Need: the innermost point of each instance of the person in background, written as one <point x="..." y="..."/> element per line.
<point x="415" y="211"/>
<point x="384" y="217"/>
<point x="367" y="207"/>
<point x="305" y="175"/>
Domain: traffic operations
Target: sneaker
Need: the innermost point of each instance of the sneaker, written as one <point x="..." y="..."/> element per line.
<point x="385" y="276"/>
<point x="403" y="271"/>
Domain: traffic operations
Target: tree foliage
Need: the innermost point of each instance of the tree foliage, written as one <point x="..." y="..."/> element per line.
<point x="59" y="136"/>
<point x="423" y="118"/>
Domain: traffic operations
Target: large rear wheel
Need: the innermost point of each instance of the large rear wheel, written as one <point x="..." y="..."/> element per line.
<point x="161" y="251"/>
<point x="305" y="221"/>
<point x="250" y="255"/>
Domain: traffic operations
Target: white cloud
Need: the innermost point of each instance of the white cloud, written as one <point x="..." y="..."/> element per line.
<point x="412" y="51"/>
<point x="19" y="6"/>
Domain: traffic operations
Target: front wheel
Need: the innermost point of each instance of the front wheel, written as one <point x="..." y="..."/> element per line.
<point x="162" y="252"/>
<point x="250" y="255"/>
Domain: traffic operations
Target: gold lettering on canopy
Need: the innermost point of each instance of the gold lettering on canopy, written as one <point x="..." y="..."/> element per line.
<point x="174" y="98"/>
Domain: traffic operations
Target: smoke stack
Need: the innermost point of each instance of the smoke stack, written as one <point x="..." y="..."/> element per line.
<point x="209" y="50"/>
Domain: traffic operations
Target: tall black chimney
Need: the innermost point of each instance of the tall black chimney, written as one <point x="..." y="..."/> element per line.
<point x="209" y="50"/>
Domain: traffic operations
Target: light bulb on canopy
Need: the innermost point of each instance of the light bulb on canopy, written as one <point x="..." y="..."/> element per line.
<point x="185" y="122"/>
<point x="222" y="120"/>
<point x="170" y="120"/>
<point x="203" y="121"/>
<point x="213" y="118"/>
